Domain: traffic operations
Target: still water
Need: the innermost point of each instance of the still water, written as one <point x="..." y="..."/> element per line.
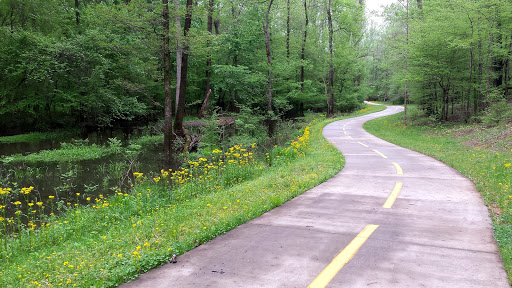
<point x="70" y="183"/>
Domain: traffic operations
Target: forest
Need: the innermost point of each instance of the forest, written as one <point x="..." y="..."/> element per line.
<point x="452" y="58"/>
<point x="94" y="64"/>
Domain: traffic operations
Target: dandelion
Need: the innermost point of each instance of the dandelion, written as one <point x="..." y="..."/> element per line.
<point x="137" y="174"/>
<point x="27" y="190"/>
<point x="508" y="165"/>
<point x="51" y="197"/>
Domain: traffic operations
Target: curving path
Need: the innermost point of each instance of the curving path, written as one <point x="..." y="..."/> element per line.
<point x="399" y="218"/>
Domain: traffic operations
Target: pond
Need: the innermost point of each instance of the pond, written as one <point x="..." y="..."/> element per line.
<point x="61" y="185"/>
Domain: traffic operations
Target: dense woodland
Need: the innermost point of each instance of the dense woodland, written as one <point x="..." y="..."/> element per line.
<point x="450" y="57"/>
<point x="101" y="63"/>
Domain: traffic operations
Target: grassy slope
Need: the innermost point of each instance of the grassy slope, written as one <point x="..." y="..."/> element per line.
<point x="128" y="234"/>
<point x="490" y="171"/>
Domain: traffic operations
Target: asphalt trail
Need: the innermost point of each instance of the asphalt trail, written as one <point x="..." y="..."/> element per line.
<point x="391" y="218"/>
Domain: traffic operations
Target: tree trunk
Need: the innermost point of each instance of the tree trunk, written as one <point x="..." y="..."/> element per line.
<point x="303" y="52"/>
<point x="406" y="57"/>
<point x="205" y="105"/>
<point x="179" y="51"/>
<point x="209" y="28"/>
<point x="330" y="101"/>
<point x="77" y="13"/>
<point x="168" y="133"/>
<point x="507" y="72"/>
<point x="180" y="109"/>
<point x="287" y="28"/>
<point x="269" y="56"/>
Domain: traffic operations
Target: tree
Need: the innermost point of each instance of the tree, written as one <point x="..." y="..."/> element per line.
<point x="168" y="133"/>
<point x="330" y="101"/>
<point x="180" y="101"/>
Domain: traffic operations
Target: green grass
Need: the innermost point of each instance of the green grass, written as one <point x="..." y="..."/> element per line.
<point x="38" y="137"/>
<point x="68" y="153"/>
<point x="488" y="168"/>
<point x="114" y="239"/>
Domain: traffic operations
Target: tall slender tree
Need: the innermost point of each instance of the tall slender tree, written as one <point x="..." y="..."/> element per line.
<point x="209" y="29"/>
<point x="180" y="109"/>
<point x="330" y="99"/>
<point x="303" y="46"/>
<point x="168" y="133"/>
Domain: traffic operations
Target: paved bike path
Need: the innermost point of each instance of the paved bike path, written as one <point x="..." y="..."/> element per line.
<point x="433" y="231"/>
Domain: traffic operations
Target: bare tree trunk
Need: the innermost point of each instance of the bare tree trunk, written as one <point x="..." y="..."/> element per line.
<point x="470" y="82"/>
<point x="406" y="57"/>
<point x="209" y="28"/>
<point x="77" y="13"/>
<point x="507" y="72"/>
<point x="266" y="25"/>
<point x="330" y="101"/>
<point x="179" y="51"/>
<point x="325" y="88"/>
<point x="269" y="56"/>
<point x="180" y="111"/>
<point x="168" y="133"/>
<point x="205" y="104"/>
<point x="287" y="28"/>
<point x="303" y="52"/>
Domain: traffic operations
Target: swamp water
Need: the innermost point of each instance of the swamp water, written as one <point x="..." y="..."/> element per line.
<point x="61" y="185"/>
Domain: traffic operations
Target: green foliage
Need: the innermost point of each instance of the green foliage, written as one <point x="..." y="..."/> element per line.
<point x="69" y="152"/>
<point x="455" y="53"/>
<point x="498" y="112"/>
<point x="106" y="71"/>
<point x="38" y="137"/>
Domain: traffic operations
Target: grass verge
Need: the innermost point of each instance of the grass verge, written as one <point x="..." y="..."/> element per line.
<point x="117" y="238"/>
<point x="491" y="171"/>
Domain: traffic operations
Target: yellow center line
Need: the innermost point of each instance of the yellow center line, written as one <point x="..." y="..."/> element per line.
<point x="399" y="170"/>
<point x="350" y="137"/>
<point x="342" y="258"/>
<point x="392" y="197"/>
<point x="383" y="156"/>
<point x="363" y="144"/>
<point x="345" y="132"/>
